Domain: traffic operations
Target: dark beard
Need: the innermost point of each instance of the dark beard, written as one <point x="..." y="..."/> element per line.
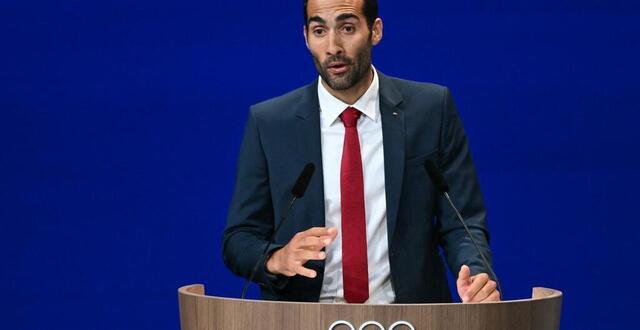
<point x="360" y="67"/>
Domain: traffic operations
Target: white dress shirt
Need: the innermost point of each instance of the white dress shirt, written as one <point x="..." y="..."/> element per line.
<point x="370" y="136"/>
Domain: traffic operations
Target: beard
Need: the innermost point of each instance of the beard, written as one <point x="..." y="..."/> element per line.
<point x="358" y="68"/>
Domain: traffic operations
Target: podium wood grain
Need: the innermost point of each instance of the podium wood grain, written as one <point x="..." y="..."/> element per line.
<point x="201" y="312"/>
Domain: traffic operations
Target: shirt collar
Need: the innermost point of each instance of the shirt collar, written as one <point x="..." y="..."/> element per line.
<point x="331" y="107"/>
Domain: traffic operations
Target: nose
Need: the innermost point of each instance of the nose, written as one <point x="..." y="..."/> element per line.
<point x="335" y="44"/>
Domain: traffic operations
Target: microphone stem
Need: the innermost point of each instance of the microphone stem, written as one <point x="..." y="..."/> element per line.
<point x="484" y="259"/>
<point x="266" y="248"/>
<point x="284" y="216"/>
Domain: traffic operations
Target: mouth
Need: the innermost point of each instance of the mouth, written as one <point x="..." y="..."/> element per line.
<point x="338" y="68"/>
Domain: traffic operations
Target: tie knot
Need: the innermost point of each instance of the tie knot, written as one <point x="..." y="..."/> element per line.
<point x="350" y="117"/>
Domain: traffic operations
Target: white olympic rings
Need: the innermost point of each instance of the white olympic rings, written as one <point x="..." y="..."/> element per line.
<point x="372" y="323"/>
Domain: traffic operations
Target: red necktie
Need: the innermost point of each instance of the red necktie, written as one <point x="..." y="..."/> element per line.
<point x="355" y="272"/>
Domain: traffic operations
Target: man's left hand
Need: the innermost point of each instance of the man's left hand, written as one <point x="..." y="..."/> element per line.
<point x="476" y="288"/>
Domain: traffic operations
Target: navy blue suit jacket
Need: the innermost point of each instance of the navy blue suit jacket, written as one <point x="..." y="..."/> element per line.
<point x="419" y="121"/>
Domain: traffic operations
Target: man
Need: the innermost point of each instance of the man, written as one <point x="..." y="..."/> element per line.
<point x="370" y="225"/>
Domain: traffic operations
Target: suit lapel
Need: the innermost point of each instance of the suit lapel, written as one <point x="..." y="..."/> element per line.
<point x="393" y="132"/>
<point x="309" y="146"/>
<point x="393" y="137"/>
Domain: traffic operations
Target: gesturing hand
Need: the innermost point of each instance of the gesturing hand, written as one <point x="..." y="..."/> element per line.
<point x="304" y="246"/>
<point x="477" y="288"/>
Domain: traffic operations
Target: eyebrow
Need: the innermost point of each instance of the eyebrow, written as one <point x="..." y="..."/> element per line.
<point x="316" y="19"/>
<point x="341" y="17"/>
<point x="346" y="16"/>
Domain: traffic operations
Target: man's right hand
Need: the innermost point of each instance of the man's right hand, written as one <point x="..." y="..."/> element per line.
<point x="304" y="246"/>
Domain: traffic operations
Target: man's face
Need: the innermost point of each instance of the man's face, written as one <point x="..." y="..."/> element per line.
<point x="339" y="40"/>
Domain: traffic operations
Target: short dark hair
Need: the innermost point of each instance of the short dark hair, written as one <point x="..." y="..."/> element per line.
<point x="369" y="8"/>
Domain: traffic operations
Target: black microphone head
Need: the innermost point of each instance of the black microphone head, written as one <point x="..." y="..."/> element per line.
<point x="436" y="176"/>
<point x="303" y="180"/>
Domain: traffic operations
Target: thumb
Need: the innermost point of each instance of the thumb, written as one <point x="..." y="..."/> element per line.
<point x="464" y="281"/>
<point x="464" y="276"/>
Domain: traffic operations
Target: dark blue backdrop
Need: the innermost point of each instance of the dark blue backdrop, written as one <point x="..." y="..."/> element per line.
<point x="120" y="124"/>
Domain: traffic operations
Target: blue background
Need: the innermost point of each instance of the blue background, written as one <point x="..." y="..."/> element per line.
<point x="120" y="123"/>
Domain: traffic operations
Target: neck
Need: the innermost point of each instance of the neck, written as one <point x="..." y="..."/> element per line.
<point x="351" y="95"/>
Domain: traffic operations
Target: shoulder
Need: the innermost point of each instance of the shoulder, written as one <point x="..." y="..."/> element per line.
<point x="410" y="89"/>
<point x="414" y="96"/>
<point x="286" y="104"/>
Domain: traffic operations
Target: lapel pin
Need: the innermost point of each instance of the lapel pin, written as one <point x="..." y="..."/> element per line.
<point x="395" y="113"/>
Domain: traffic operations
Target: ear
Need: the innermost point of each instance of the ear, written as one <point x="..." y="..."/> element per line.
<point x="304" y="34"/>
<point x="376" y="31"/>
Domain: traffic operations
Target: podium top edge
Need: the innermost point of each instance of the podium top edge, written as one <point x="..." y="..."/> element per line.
<point x="538" y="293"/>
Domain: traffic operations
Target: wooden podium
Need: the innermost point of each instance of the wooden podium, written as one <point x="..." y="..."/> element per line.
<point x="200" y="312"/>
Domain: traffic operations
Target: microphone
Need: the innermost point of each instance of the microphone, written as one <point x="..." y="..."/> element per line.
<point x="436" y="176"/>
<point x="441" y="184"/>
<point x="297" y="192"/>
<point x="303" y="181"/>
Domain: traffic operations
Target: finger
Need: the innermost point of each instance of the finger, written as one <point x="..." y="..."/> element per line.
<point x="465" y="273"/>
<point x="306" y="272"/>
<point x="317" y="231"/>
<point x="485" y="292"/>
<point x="328" y="239"/>
<point x="303" y="256"/>
<point x="326" y="235"/>
<point x="463" y="276"/>
<point x="463" y="281"/>
<point x="312" y="243"/>
<point x="495" y="296"/>
<point x="478" y="283"/>
<point x="288" y="273"/>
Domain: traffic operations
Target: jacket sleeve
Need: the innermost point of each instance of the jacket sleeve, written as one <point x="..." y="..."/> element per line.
<point x="464" y="189"/>
<point x="250" y="221"/>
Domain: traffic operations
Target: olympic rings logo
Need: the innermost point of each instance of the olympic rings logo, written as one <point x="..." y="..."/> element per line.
<point x="370" y="323"/>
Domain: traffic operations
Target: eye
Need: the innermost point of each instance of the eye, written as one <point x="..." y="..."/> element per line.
<point x="349" y="28"/>
<point x="319" y="32"/>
